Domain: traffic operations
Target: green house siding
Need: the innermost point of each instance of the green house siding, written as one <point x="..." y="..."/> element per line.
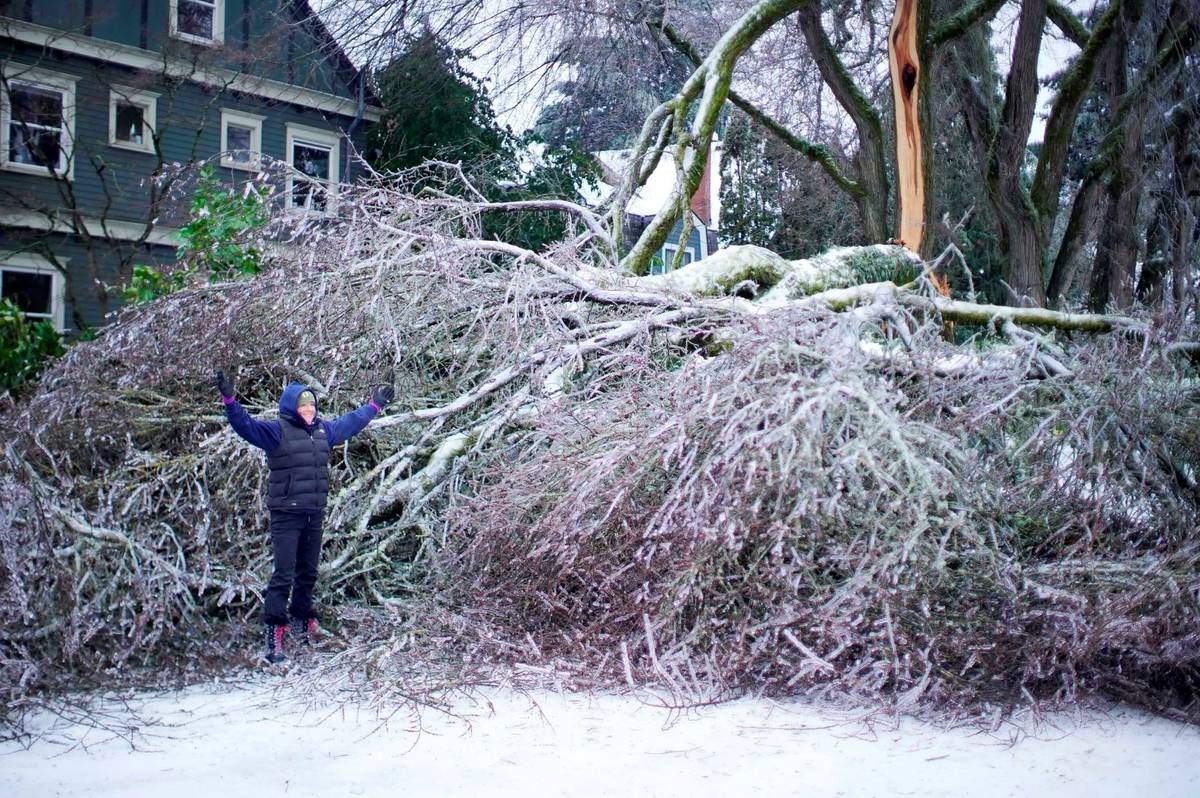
<point x="81" y="261"/>
<point x="116" y="184"/>
<point x="666" y="255"/>
<point x="277" y="39"/>
<point x="693" y="241"/>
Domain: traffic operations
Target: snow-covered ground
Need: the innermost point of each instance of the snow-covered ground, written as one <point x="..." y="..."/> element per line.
<point x="250" y="741"/>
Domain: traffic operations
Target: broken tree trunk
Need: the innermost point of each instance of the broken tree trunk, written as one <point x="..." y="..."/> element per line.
<point x="909" y="93"/>
<point x="914" y="154"/>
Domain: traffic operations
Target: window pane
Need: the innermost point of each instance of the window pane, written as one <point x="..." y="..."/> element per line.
<point x="130" y="123"/>
<point x="29" y="291"/>
<point x="32" y="106"/>
<point x="239" y="142"/>
<point x="196" y="18"/>
<point x="33" y="145"/>
<point x="313" y="161"/>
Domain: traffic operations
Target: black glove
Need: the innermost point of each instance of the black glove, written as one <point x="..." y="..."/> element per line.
<point x="383" y="394"/>
<point x="224" y="385"/>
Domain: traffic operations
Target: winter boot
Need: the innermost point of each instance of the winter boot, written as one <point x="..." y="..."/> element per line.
<point x="275" y="637"/>
<point x="308" y="633"/>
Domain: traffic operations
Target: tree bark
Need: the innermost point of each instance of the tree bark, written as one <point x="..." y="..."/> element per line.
<point x="1020" y="241"/>
<point x="710" y="83"/>
<point x="1076" y="236"/>
<point x="1117" y="249"/>
<point x="817" y="153"/>
<point x="870" y="160"/>
<point x="1156" y="263"/>
<point x="1072" y="90"/>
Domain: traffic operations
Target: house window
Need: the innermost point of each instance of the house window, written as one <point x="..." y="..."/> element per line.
<point x="36" y="121"/>
<point x="132" y="115"/>
<point x="199" y="21"/>
<point x="313" y="154"/>
<point x="34" y="286"/>
<point x="241" y="140"/>
<point x="669" y="252"/>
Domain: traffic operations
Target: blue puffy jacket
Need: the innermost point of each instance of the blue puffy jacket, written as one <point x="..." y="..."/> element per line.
<point x="297" y="453"/>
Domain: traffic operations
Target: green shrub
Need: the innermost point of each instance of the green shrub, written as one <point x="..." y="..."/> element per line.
<point x="221" y="216"/>
<point x="150" y="282"/>
<point x="213" y="241"/>
<point x="25" y="346"/>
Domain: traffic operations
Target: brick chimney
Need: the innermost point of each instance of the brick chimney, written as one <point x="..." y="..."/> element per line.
<point x="702" y="200"/>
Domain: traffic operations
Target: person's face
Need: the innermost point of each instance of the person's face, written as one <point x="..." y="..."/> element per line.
<point x="307" y="412"/>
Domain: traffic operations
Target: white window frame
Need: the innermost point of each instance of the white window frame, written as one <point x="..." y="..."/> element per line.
<point x="148" y="100"/>
<point x="218" y="24"/>
<point x="669" y="251"/>
<point x="22" y="262"/>
<point x="318" y="138"/>
<point x="242" y="119"/>
<point x="45" y="80"/>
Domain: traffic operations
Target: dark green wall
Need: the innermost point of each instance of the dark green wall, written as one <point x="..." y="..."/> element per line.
<point x="262" y="37"/>
<point x="104" y="259"/>
<point x="114" y="183"/>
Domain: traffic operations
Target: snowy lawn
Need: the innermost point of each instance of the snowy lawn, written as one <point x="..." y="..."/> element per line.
<point x="249" y="740"/>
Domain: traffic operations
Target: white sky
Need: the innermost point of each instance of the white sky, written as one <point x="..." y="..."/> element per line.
<point x="518" y="103"/>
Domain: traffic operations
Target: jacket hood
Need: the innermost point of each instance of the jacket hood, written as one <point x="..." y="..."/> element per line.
<point x="287" y="403"/>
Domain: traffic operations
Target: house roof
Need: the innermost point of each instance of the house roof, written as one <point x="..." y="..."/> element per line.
<point x="648" y="200"/>
<point x="651" y="198"/>
<point x="304" y="14"/>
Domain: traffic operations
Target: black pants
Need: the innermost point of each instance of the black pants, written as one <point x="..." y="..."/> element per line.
<point x="296" y="544"/>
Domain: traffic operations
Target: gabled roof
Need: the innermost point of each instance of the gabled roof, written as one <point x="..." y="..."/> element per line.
<point x="303" y="13"/>
<point x="650" y="198"/>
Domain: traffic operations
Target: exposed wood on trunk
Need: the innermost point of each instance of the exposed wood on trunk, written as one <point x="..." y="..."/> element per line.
<point x="908" y="89"/>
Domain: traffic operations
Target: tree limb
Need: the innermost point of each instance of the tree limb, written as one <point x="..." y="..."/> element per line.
<point x="971" y="312"/>
<point x="871" y="160"/>
<point x="963" y="20"/>
<point x="1066" y="21"/>
<point x="817" y="153"/>
<point x="712" y="78"/>
<point x="1047" y="181"/>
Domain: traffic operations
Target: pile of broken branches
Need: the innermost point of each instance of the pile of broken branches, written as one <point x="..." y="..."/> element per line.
<point x="748" y="474"/>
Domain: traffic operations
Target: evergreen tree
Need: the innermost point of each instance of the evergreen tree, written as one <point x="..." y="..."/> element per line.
<point x="434" y="109"/>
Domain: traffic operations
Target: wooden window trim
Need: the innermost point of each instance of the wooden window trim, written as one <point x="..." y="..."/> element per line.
<point x="147" y="100"/>
<point x="669" y="251"/>
<point x="45" y="80"/>
<point x="218" y="37"/>
<point x="243" y="119"/>
<point x="36" y="264"/>
<point x="320" y="138"/>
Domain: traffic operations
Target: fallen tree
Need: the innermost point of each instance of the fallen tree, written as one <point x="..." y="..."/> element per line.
<point x="746" y="474"/>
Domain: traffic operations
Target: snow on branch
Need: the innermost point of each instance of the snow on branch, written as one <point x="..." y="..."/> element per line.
<point x="750" y="472"/>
